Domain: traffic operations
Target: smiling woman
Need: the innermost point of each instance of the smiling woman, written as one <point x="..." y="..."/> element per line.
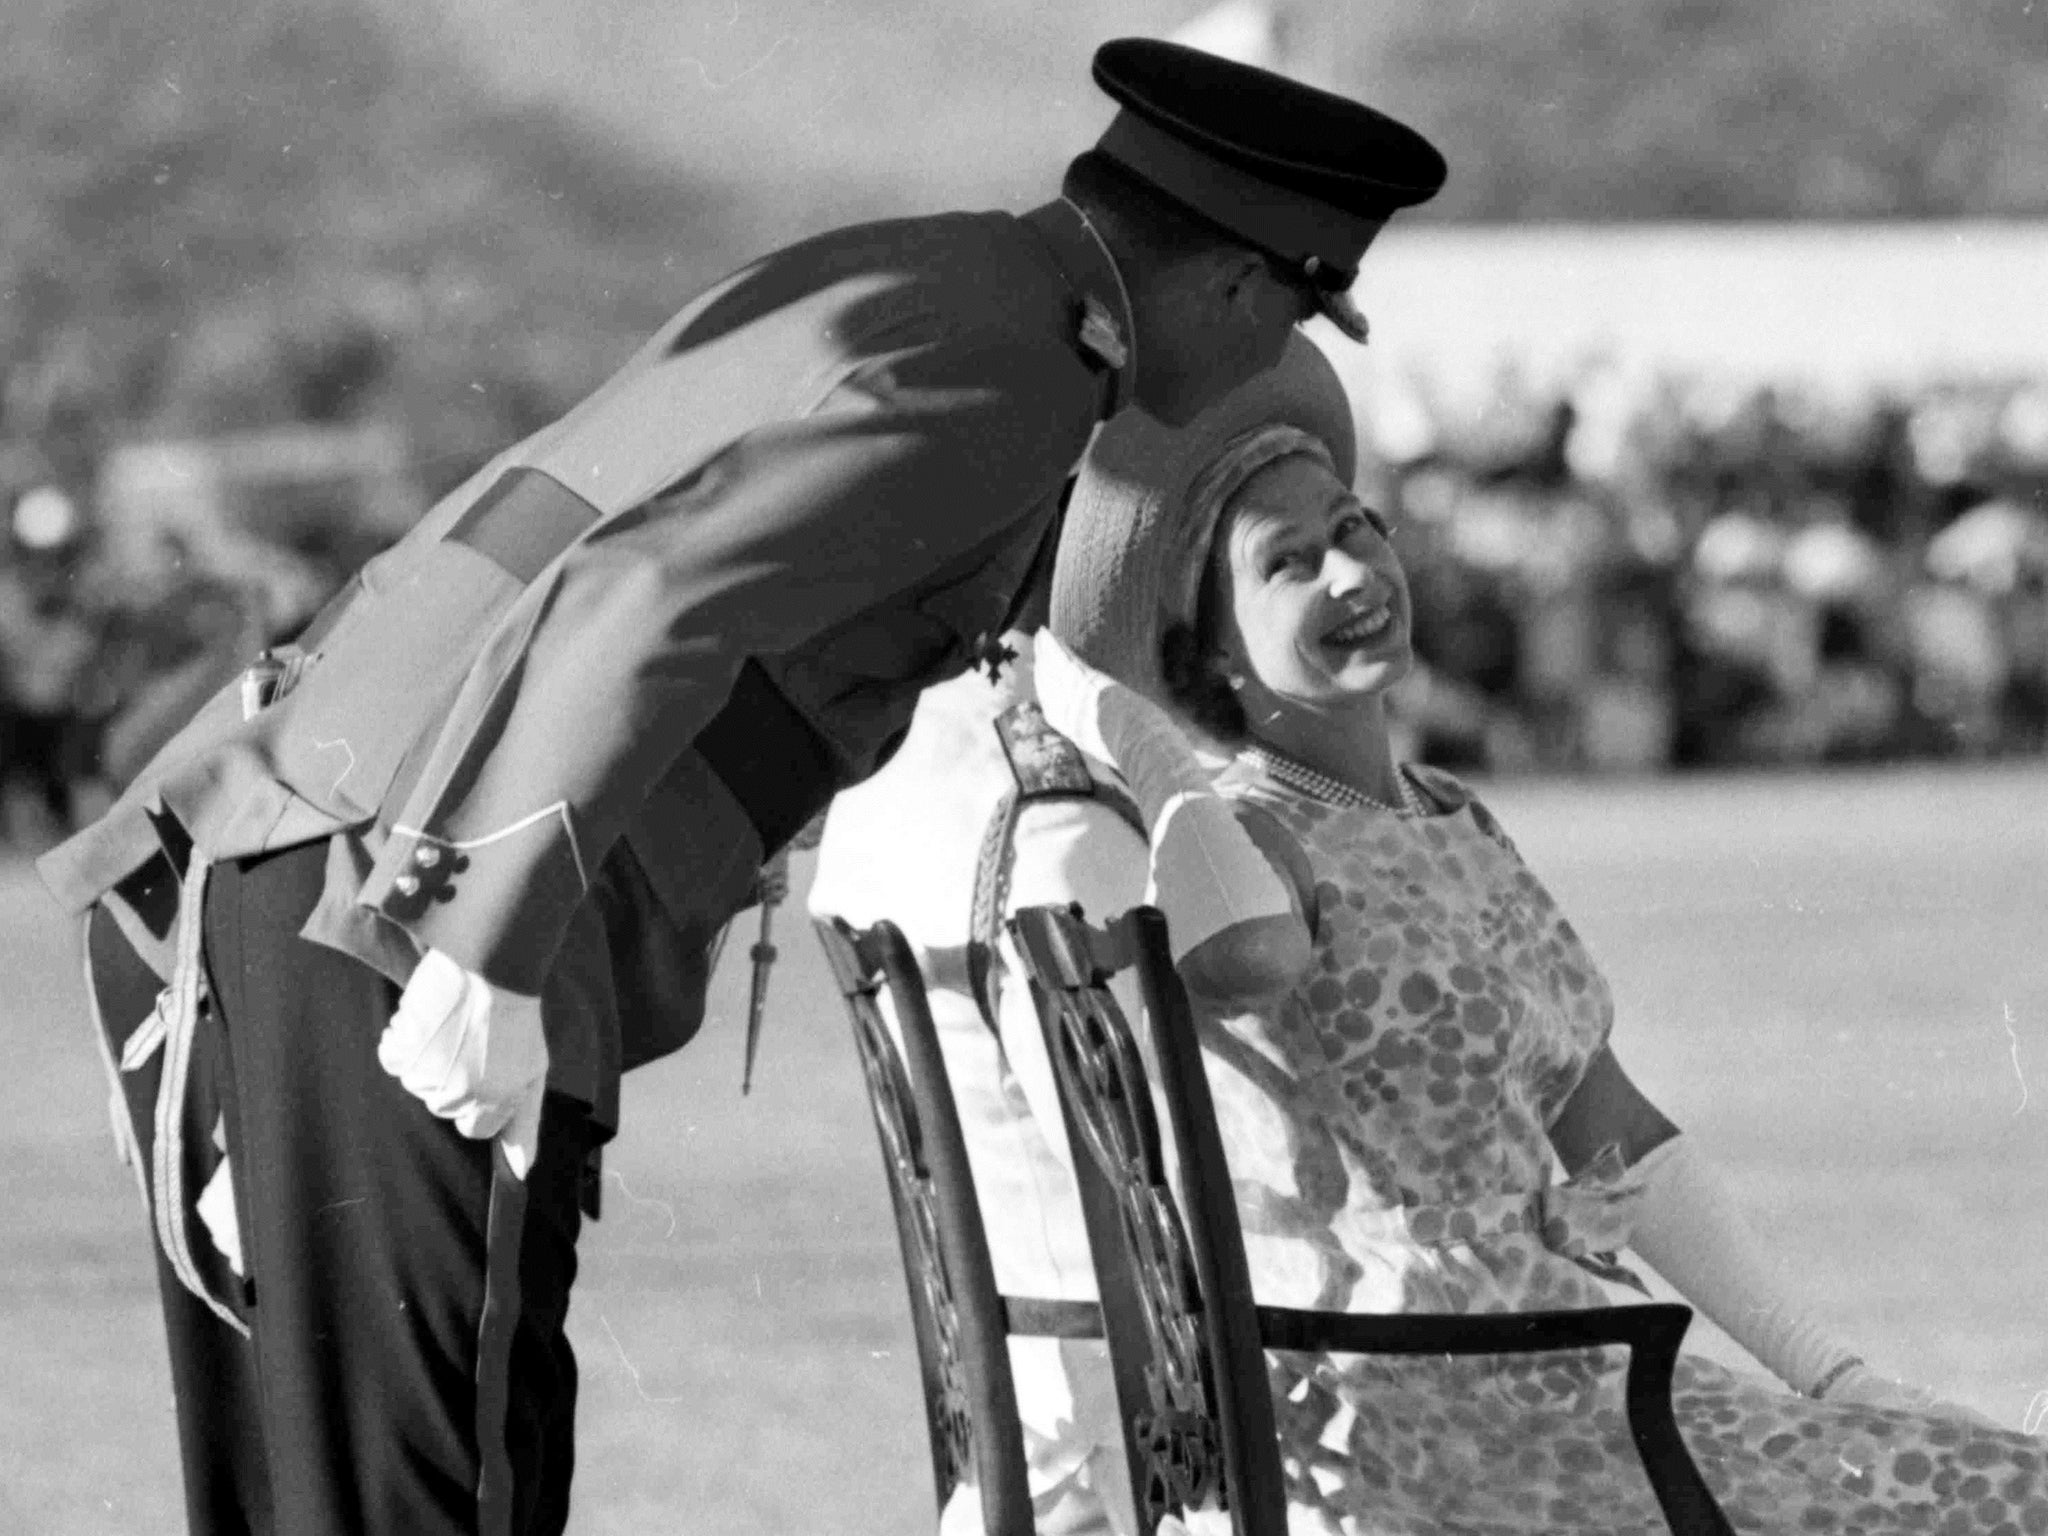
<point x="1302" y="609"/>
<point x="1418" y="1094"/>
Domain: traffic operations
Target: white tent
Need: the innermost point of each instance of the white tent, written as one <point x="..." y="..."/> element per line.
<point x="1838" y="307"/>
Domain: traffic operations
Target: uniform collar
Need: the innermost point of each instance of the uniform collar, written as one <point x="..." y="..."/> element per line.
<point x="1104" y="331"/>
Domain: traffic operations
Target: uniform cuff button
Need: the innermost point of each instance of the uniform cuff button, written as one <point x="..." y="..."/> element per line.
<point x="407" y="885"/>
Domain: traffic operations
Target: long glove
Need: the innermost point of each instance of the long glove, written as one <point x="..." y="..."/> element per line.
<point x="1691" y="1229"/>
<point x="1207" y="872"/>
<point x="1867" y="1388"/>
<point x="472" y="1053"/>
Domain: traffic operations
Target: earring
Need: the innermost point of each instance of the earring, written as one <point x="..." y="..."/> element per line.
<point x="1236" y="683"/>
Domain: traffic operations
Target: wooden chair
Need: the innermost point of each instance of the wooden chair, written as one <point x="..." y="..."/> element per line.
<point x="1191" y="1372"/>
<point x="961" y="1321"/>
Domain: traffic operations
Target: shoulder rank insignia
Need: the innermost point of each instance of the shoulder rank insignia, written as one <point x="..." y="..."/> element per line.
<point x="1102" y="335"/>
<point x="1042" y="761"/>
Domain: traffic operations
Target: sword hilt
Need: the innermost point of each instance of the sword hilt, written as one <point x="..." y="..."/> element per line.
<point x="763" y="953"/>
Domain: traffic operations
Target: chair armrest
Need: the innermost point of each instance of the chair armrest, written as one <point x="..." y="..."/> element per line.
<point x="1652" y="1333"/>
<point x="1656" y="1327"/>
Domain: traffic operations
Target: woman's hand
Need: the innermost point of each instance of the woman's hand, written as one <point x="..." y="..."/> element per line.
<point x="1864" y="1388"/>
<point x="1073" y="696"/>
<point x="1117" y="725"/>
<point x="1232" y="906"/>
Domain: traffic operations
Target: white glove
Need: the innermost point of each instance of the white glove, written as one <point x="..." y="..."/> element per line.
<point x="1691" y="1227"/>
<point x="216" y="1208"/>
<point x="1115" y="725"/>
<point x="1866" y="1388"/>
<point x="1208" y="876"/>
<point x="472" y="1053"/>
<point x="1069" y="693"/>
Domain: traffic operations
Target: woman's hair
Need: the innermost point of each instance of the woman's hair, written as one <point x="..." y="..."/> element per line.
<point x="1191" y="649"/>
<point x="1191" y="663"/>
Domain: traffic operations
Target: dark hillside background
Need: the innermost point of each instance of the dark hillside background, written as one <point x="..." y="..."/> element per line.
<point x="460" y="213"/>
<point x="1552" y="109"/>
<point x="229" y="213"/>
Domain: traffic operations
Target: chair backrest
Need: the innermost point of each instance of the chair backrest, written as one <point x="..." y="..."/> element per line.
<point x="961" y="1321"/>
<point x="1191" y="1379"/>
<point x="970" y="1399"/>
<point x="1204" y="1424"/>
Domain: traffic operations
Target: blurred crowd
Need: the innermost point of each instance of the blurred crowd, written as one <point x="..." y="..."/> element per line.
<point x="1620" y="573"/>
<point x="136" y="579"/>
<point x="1633" y="572"/>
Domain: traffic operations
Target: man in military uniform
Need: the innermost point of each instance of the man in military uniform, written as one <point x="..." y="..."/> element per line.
<point x="372" y="939"/>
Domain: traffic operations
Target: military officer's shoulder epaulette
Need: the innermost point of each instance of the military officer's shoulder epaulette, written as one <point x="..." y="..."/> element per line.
<point x="1045" y="766"/>
<point x="1042" y="761"/>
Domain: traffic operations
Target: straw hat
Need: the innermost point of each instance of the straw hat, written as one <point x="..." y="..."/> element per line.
<point x="1127" y="551"/>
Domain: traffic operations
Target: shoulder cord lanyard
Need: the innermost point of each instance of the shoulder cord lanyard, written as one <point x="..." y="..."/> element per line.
<point x="173" y="1027"/>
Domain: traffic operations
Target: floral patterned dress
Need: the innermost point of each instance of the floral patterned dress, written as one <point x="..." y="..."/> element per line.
<point x="1386" y="1129"/>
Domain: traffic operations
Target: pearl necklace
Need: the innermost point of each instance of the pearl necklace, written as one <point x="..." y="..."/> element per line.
<point x="1320" y="786"/>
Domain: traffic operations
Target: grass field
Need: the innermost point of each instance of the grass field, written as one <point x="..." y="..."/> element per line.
<point x="1840" y="984"/>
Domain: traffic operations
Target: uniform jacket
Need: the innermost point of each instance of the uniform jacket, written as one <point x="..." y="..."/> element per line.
<point x="555" y="729"/>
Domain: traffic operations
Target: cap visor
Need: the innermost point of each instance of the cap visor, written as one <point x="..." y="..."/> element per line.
<point x="1340" y="311"/>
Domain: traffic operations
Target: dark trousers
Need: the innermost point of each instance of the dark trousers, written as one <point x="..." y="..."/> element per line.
<point x="405" y="1369"/>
